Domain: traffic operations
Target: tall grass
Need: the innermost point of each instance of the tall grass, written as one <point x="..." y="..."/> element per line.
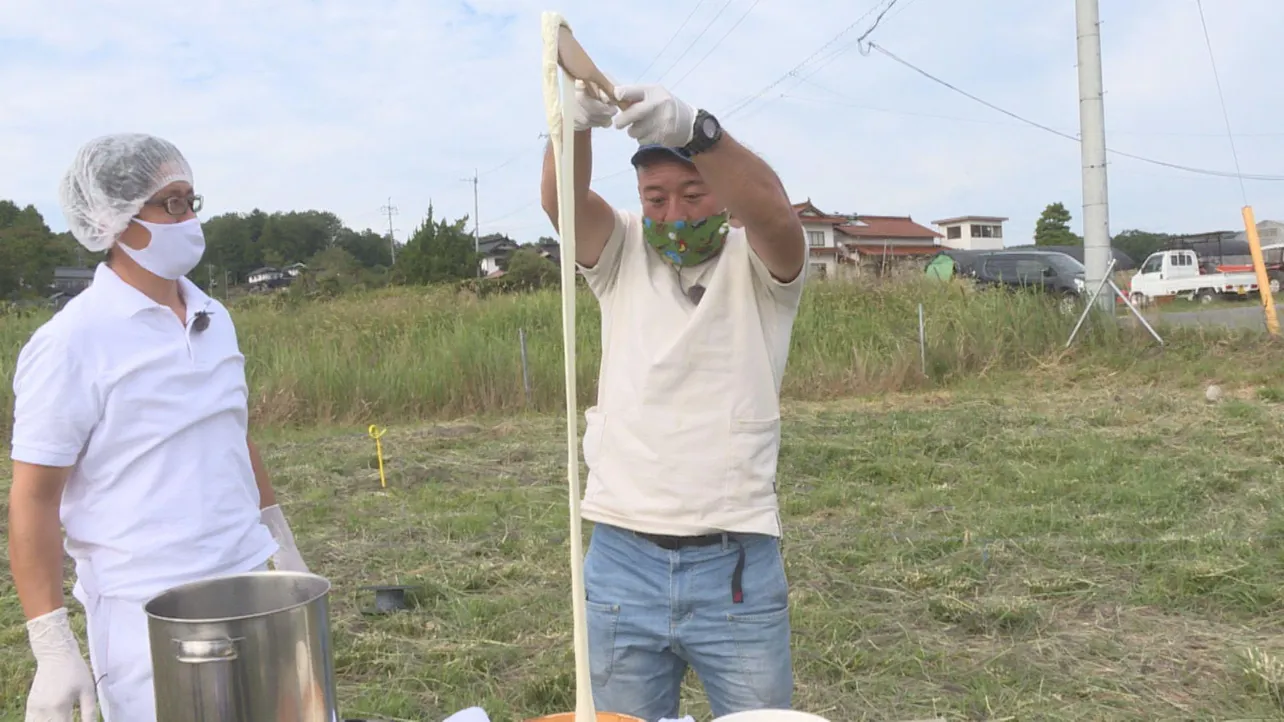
<point x="401" y="354"/>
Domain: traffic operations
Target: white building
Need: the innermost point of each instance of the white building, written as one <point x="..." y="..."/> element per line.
<point x="971" y="233"/>
<point x="267" y="274"/>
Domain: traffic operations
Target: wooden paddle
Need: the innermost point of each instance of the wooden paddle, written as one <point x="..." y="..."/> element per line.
<point x="577" y="63"/>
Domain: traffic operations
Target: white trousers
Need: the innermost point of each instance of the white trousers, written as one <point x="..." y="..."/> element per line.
<point x="121" y="659"/>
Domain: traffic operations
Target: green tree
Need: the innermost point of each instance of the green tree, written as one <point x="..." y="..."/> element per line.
<point x="1139" y="244"/>
<point x="231" y="243"/>
<point x="297" y="235"/>
<point x="438" y="251"/>
<point x="328" y="273"/>
<point x="1053" y="228"/>
<point x="527" y="270"/>
<point x="29" y="252"/>
<point x="368" y="248"/>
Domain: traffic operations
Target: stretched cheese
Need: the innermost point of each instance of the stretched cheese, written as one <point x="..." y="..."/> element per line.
<point x="559" y="106"/>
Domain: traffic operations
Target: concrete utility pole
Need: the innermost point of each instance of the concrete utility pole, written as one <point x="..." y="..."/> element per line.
<point x="391" y="210"/>
<point x="1092" y="142"/>
<point x="476" y="220"/>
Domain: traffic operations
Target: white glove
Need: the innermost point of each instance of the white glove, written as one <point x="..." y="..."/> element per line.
<point x="287" y="558"/>
<point x="656" y="117"/>
<point x="62" y="680"/>
<point x="592" y="110"/>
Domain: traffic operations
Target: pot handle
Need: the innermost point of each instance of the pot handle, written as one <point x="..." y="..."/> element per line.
<point x="202" y="651"/>
<point x="213" y="684"/>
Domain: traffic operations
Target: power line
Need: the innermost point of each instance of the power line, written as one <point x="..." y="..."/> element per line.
<point x="834" y="55"/>
<point x="690" y="45"/>
<point x="516" y="156"/>
<point x="858" y="42"/>
<point x="874" y="27"/>
<point x="519" y="209"/>
<point x="837" y="52"/>
<point x="1189" y="169"/>
<point x="793" y="72"/>
<point x="672" y="37"/>
<point x="1222" y="98"/>
<point x="715" y="45"/>
<point x="839" y="98"/>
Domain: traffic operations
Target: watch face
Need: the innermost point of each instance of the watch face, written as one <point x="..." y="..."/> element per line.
<point x="710" y="127"/>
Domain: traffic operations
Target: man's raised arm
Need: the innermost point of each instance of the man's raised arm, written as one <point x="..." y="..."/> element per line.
<point x="594" y="217"/>
<point x="750" y="189"/>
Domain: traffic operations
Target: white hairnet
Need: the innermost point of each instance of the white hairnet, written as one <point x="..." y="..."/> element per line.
<point x="109" y="181"/>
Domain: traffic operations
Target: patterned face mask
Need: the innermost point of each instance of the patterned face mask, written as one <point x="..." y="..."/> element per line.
<point x="687" y="244"/>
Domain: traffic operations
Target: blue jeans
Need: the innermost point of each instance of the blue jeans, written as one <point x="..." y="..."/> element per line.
<point x="652" y="612"/>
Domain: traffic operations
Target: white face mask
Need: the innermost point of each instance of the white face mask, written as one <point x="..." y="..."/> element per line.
<point x="175" y="248"/>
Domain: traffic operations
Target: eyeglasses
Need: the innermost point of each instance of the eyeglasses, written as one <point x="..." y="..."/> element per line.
<point x="178" y="207"/>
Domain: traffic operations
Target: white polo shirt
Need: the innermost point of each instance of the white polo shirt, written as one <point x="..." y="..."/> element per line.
<point x="153" y="418"/>
<point x="685" y="433"/>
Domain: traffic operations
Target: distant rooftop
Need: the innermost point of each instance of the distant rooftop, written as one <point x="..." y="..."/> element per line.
<point x="962" y="219"/>
<point x="73" y="272"/>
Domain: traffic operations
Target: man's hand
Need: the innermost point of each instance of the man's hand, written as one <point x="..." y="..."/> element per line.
<point x="62" y="680"/>
<point x="656" y="117"/>
<point x="287" y="558"/>
<point x="592" y="110"/>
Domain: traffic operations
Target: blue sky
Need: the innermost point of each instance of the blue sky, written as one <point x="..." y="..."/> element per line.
<point x="313" y="104"/>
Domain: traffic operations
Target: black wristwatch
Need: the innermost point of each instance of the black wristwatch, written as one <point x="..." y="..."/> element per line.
<point x="706" y="133"/>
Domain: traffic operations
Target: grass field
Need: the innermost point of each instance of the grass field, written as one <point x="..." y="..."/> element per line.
<point x="431" y="354"/>
<point x="1023" y="535"/>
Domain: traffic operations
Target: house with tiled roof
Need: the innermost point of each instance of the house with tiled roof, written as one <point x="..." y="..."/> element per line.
<point x="844" y="244"/>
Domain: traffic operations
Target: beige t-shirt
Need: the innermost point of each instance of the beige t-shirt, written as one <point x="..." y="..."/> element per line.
<point x="685" y="433"/>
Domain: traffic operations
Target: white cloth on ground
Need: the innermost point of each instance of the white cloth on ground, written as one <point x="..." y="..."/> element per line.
<point x="472" y="714"/>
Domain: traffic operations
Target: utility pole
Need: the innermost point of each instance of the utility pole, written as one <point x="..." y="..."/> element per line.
<point x="1092" y="143"/>
<point x="476" y="221"/>
<point x="391" y="210"/>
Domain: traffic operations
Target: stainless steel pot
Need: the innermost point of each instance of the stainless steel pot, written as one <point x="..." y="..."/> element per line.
<point x="251" y="647"/>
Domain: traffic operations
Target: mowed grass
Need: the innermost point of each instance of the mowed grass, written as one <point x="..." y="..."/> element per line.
<point x="1021" y="532"/>
<point x="1046" y="549"/>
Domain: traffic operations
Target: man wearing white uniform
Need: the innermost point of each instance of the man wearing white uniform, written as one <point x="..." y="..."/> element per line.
<point x="130" y="429"/>
<point x="684" y="566"/>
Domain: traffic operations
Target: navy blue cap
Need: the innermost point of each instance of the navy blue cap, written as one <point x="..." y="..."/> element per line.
<point x="653" y="151"/>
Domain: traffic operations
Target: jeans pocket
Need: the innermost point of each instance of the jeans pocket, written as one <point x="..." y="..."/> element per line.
<point x="602" y="621"/>
<point x="763" y="646"/>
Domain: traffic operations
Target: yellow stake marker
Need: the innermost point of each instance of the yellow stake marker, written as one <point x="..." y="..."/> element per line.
<point x="1259" y="266"/>
<point x="375" y="433"/>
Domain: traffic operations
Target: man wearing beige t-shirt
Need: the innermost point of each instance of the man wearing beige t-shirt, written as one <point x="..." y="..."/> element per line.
<point x="684" y="567"/>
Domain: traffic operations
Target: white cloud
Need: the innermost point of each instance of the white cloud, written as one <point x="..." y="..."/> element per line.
<point x="340" y="105"/>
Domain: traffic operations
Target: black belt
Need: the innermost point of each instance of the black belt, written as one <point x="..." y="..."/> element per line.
<point x="673" y="543"/>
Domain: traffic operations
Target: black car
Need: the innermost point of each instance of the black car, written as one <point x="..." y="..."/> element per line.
<point x="1054" y="273"/>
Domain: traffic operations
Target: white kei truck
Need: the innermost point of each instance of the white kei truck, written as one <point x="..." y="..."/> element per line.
<point x="1177" y="273"/>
